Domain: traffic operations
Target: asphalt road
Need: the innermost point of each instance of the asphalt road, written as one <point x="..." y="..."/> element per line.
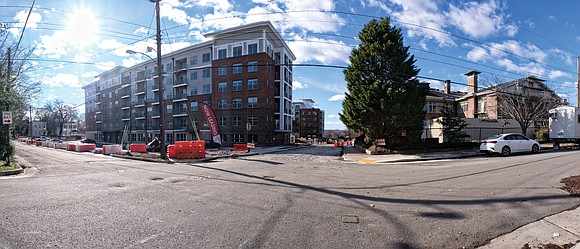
<point x="304" y="198"/>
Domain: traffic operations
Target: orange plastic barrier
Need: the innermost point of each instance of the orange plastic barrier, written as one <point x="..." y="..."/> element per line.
<point x="142" y="148"/>
<point x="171" y="151"/>
<point x="240" y="147"/>
<point x="187" y="150"/>
<point x="85" y="147"/>
<point x="71" y="147"/>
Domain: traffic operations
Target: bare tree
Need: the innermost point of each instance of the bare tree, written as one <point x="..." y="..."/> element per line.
<point x="61" y="113"/>
<point x="525" y="100"/>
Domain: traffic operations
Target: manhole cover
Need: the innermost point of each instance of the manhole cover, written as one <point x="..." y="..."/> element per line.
<point x="349" y="219"/>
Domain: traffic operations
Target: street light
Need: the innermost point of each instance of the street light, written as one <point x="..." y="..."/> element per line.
<point x="162" y="151"/>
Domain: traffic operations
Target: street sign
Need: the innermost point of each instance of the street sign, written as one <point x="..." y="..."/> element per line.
<point x="381" y="141"/>
<point x="6" y="117"/>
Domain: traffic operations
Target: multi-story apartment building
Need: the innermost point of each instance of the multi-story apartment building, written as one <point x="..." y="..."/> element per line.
<point x="308" y="120"/>
<point x="243" y="73"/>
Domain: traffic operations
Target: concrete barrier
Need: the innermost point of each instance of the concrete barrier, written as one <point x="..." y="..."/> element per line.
<point x="112" y="149"/>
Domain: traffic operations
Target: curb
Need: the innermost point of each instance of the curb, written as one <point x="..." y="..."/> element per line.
<point x="12" y="172"/>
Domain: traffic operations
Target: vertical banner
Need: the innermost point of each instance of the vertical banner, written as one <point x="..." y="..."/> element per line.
<point x="211" y="122"/>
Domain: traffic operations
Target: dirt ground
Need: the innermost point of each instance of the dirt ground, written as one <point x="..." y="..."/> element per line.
<point x="572" y="185"/>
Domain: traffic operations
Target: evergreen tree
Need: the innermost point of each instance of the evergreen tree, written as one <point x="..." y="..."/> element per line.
<point x="384" y="97"/>
<point x="453" y="126"/>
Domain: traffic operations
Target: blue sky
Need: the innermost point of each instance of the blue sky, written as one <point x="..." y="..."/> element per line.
<point x="505" y="40"/>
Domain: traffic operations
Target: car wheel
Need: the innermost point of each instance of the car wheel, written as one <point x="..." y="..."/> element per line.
<point x="506" y="151"/>
<point x="535" y="148"/>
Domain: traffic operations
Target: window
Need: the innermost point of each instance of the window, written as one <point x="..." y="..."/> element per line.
<point x="222" y="104"/>
<point x="430" y="107"/>
<point x="169" y="67"/>
<point x="169" y="108"/>
<point x="252" y="138"/>
<point x="180" y="137"/>
<point x="193" y="106"/>
<point x="481" y="105"/>
<point x="222" y="121"/>
<point x="223" y="70"/>
<point x="237" y="103"/>
<point x="223" y="53"/>
<point x="237" y="85"/>
<point x="464" y="107"/>
<point x="206" y="73"/>
<point x="193" y="60"/>
<point x="237" y="121"/>
<point x="205" y="57"/>
<point x="253" y="120"/>
<point x="237" y="69"/>
<point x="207" y="102"/>
<point x="252" y="102"/>
<point x="252" y="84"/>
<point x="253" y="48"/>
<point x="194" y="90"/>
<point x="237" y="51"/>
<point x="193" y="75"/>
<point x="206" y="89"/>
<point x="222" y="87"/>
<point x="252" y="66"/>
<point x="237" y="138"/>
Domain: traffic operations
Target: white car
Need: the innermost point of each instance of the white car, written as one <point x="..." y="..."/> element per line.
<point x="507" y="144"/>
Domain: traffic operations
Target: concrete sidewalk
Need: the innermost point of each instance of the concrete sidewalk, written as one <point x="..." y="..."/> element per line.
<point x="352" y="154"/>
<point x="559" y="229"/>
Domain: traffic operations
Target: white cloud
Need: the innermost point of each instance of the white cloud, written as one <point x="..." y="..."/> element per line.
<point x="20" y="17"/>
<point x="168" y="10"/>
<point x="480" y="20"/>
<point x="562" y="55"/>
<point x="90" y="74"/>
<point x="526" y="68"/>
<point x="332" y="116"/>
<point x="375" y="4"/>
<point x="478" y="54"/>
<point x="322" y="50"/>
<point x="556" y="74"/>
<point x="304" y="15"/>
<point x="129" y="62"/>
<point x="422" y="18"/>
<point x="52" y="46"/>
<point x="296" y="85"/>
<point x="337" y="97"/>
<point x="62" y="80"/>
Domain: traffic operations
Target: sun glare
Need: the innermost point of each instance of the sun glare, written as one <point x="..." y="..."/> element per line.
<point x="82" y="28"/>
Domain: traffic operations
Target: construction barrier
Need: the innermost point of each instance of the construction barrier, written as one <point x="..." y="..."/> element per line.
<point x="171" y="151"/>
<point x="71" y="147"/>
<point x="85" y="147"/>
<point x="187" y="150"/>
<point x="241" y="147"/>
<point x="112" y="149"/>
<point x="141" y="148"/>
<point x="60" y="146"/>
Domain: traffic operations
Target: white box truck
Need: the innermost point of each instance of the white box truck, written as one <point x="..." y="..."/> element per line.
<point x="564" y="125"/>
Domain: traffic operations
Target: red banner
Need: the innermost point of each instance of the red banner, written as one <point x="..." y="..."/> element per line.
<point x="211" y="122"/>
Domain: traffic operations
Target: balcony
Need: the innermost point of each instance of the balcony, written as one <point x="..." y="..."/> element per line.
<point x="140" y="76"/>
<point x="179" y="66"/>
<point x="140" y="103"/>
<point x="140" y="115"/>
<point x="180" y="82"/>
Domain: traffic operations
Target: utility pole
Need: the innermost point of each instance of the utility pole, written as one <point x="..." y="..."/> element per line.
<point x="578" y="83"/>
<point x="163" y="150"/>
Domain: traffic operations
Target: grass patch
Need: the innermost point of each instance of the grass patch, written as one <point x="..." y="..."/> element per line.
<point x="11" y="166"/>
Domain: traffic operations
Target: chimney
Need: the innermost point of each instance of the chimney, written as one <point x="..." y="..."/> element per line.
<point x="472" y="90"/>
<point x="447" y="86"/>
<point x="472" y="81"/>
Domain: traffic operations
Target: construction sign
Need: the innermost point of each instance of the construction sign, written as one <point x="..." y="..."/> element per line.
<point x="6" y="117"/>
